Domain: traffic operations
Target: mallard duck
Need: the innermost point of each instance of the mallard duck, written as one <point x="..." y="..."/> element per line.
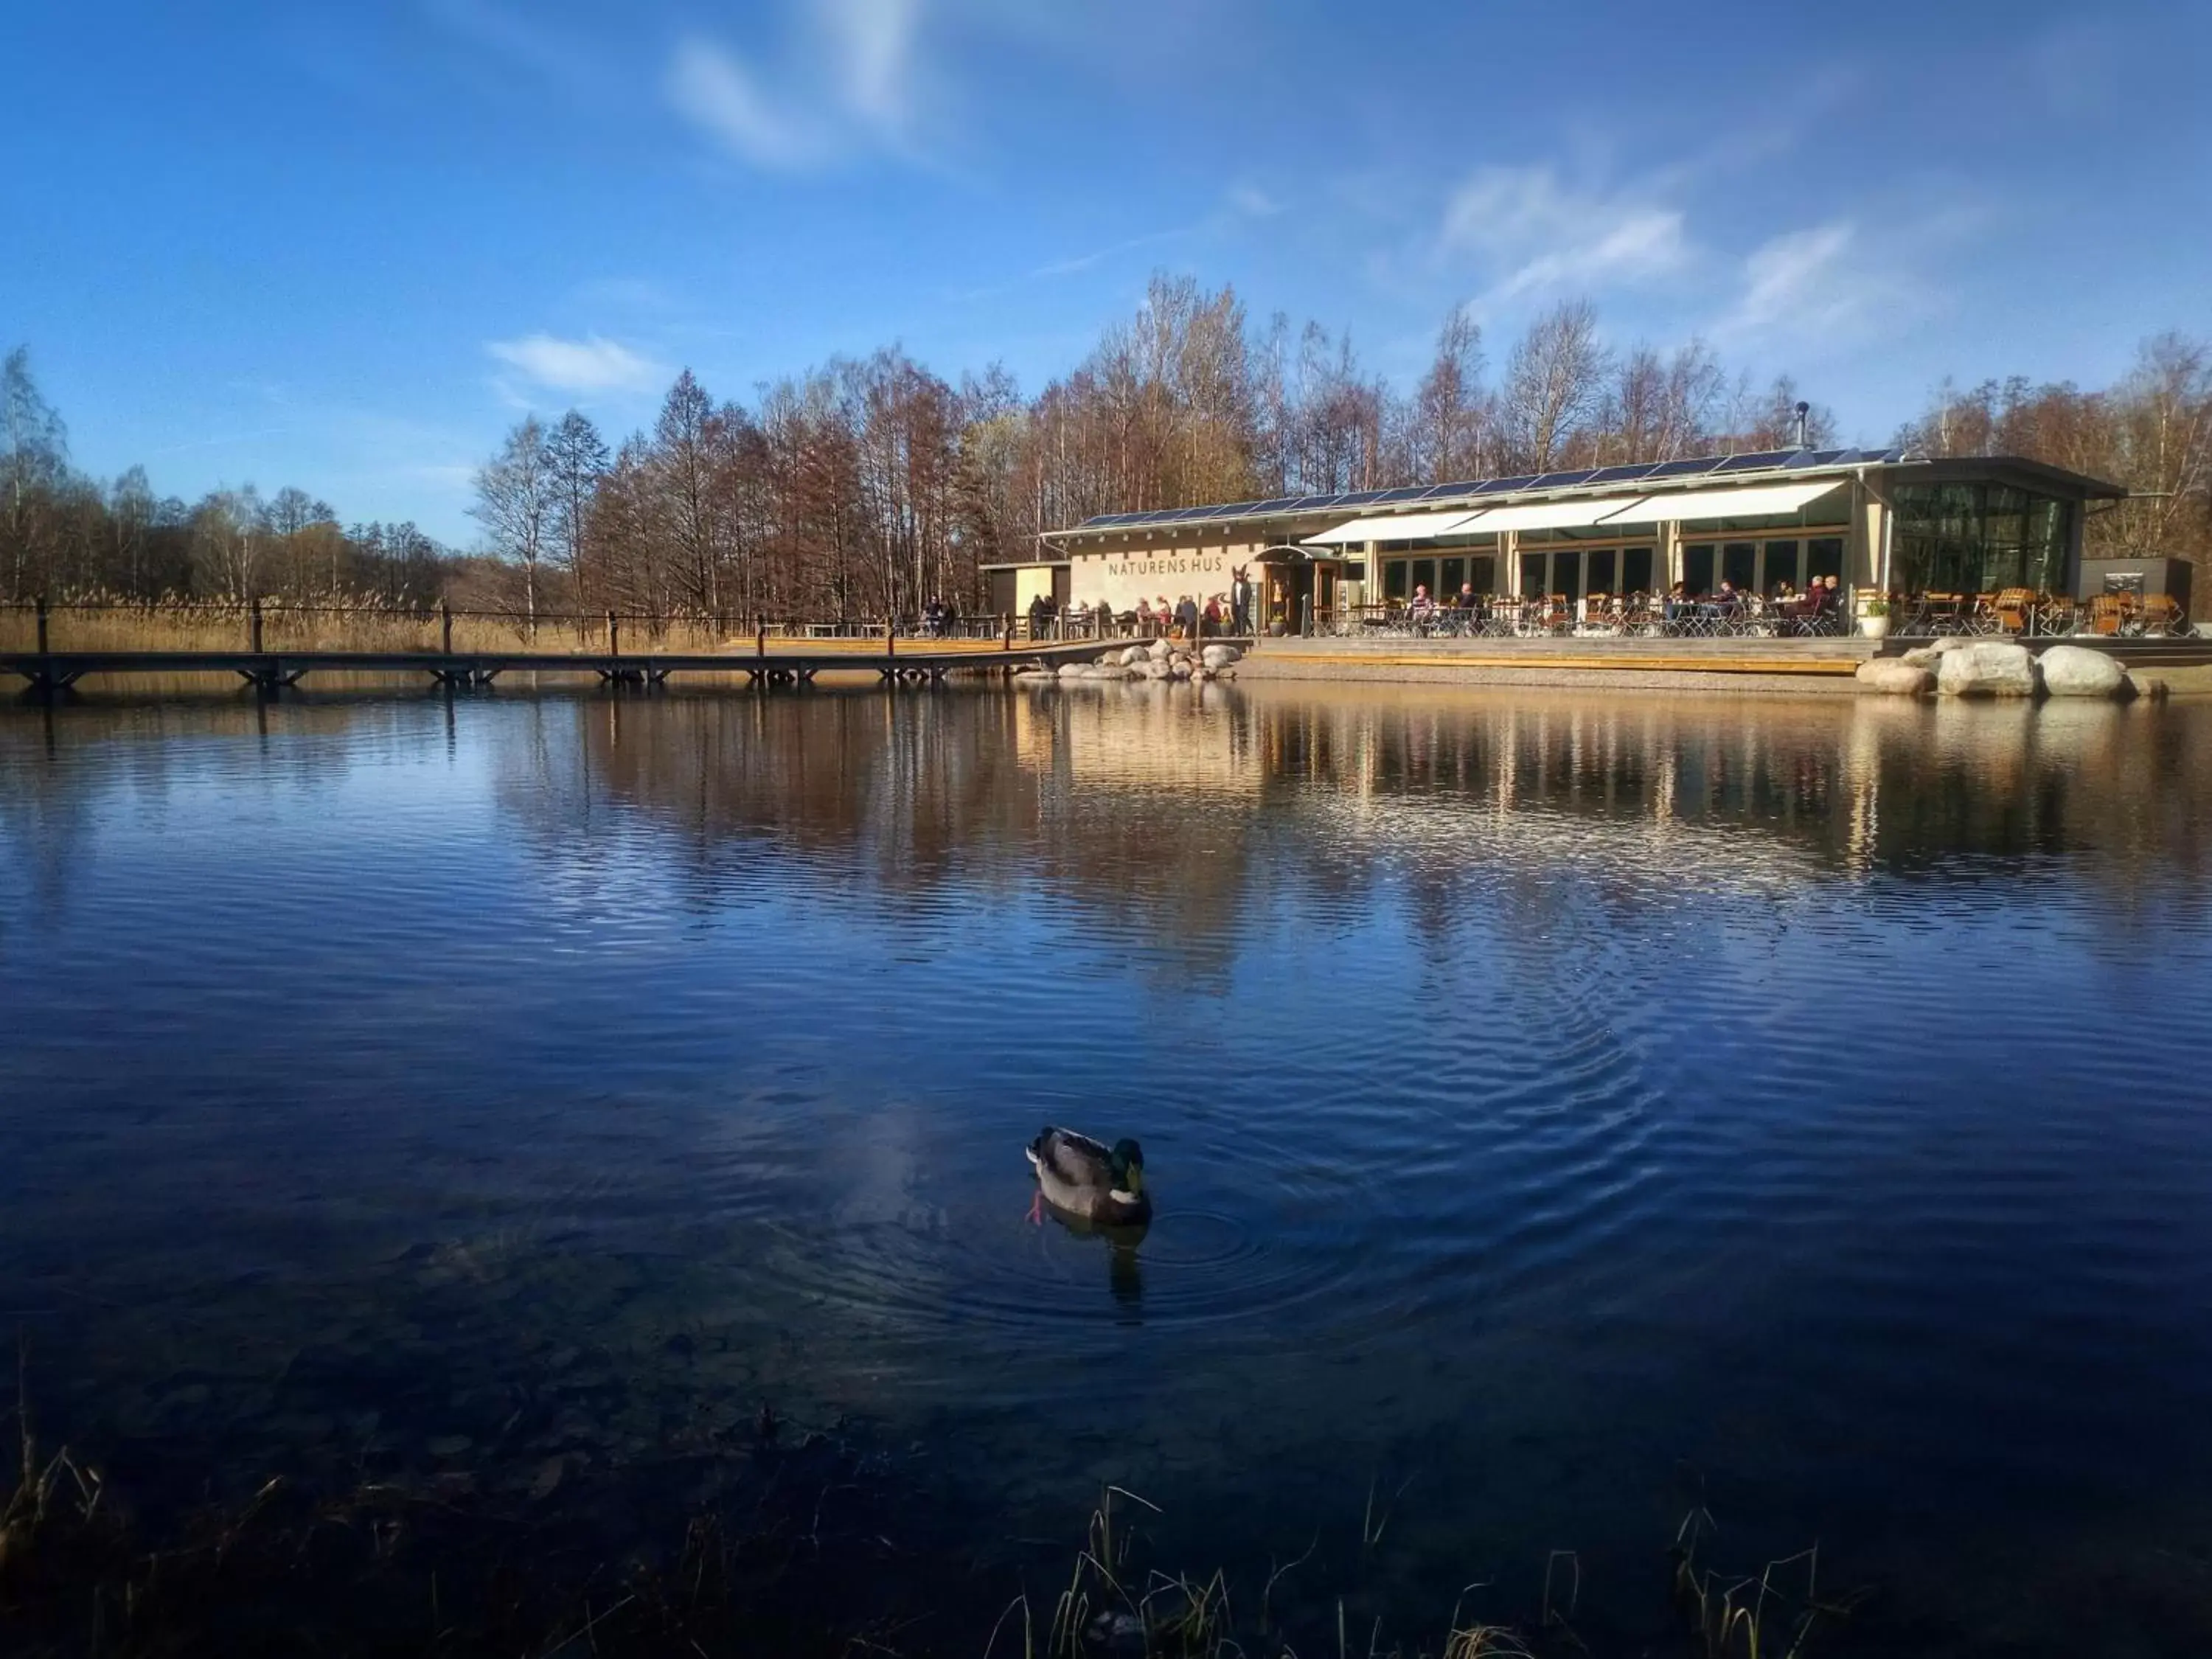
<point x="1076" y="1175"/>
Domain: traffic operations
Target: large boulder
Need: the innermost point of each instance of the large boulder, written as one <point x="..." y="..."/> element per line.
<point x="1218" y="657"/>
<point x="1160" y="650"/>
<point x="1929" y="655"/>
<point x="1155" y="668"/>
<point x="2075" y="670"/>
<point x="1987" y="668"/>
<point x="1180" y="668"/>
<point x="1134" y="655"/>
<point x="1895" y="676"/>
<point x="1073" y="671"/>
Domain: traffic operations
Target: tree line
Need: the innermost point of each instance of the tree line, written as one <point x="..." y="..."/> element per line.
<point x="65" y="534"/>
<point x="869" y="486"/>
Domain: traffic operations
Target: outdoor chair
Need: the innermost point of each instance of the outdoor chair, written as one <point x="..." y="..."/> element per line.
<point x="2108" y="613"/>
<point x="2161" y="614"/>
<point x="2014" y="611"/>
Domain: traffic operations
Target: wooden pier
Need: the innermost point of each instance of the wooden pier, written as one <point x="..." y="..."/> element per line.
<point x="922" y="663"/>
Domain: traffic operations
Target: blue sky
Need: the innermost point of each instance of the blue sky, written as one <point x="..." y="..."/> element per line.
<point x="344" y="247"/>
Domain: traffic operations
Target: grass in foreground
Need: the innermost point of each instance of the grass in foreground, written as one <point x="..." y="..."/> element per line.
<point x="798" y="1550"/>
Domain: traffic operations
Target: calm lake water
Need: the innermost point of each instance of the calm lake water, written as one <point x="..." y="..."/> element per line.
<point x="1560" y="1111"/>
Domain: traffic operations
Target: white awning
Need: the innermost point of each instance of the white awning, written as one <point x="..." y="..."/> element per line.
<point x="1392" y="527"/>
<point x="1758" y="501"/>
<point x="1544" y="515"/>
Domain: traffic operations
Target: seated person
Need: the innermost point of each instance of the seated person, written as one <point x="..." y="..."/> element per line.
<point x="1422" y="610"/>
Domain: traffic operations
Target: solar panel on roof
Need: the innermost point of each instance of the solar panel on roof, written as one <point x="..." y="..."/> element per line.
<point x="1820" y="457"/>
<point x="1618" y="474"/>
<point x="1561" y="480"/>
<point x="1683" y="469"/>
<point x="1411" y="492"/>
<point x="1748" y="463"/>
<point x="1359" y="498"/>
<point x="1309" y="503"/>
<point x="1491" y="486"/>
<point x="1271" y="506"/>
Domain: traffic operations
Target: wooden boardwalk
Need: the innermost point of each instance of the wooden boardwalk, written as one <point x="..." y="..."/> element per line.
<point x="793" y="664"/>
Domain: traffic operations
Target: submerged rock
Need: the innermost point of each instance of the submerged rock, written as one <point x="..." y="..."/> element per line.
<point x="2149" y="685"/>
<point x="1987" y="668"/>
<point x="1218" y="657"/>
<point x="1895" y="676"/>
<point x="2075" y="670"/>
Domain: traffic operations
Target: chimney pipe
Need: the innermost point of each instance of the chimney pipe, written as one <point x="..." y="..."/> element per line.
<point x="1803" y="410"/>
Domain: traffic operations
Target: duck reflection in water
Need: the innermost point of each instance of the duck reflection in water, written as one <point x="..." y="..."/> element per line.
<point x="1124" y="1277"/>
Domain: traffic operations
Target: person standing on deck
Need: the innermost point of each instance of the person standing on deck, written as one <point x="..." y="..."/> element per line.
<point x="1240" y="602"/>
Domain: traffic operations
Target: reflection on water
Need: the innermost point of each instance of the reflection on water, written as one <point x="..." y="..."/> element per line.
<point x="1543" y="1097"/>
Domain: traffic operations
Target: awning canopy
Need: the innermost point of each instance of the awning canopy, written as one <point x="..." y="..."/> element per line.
<point x="1392" y="527"/>
<point x="1758" y="501"/>
<point x="1543" y="515"/>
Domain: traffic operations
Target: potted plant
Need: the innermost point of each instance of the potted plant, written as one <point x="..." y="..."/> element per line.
<point x="1874" y="618"/>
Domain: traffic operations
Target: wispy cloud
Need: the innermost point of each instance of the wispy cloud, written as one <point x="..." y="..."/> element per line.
<point x="1529" y="234"/>
<point x="849" y="79"/>
<point x="592" y="364"/>
<point x="525" y="41"/>
<point x="1811" y="287"/>
<point x="717" y="92"/>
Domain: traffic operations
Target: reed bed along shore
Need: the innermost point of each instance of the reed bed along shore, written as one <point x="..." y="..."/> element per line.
<point x="778" y="1543"/>
<point x="345" y="624"/>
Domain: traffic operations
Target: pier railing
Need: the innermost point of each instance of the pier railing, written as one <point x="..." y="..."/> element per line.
<point x="328" y="625"/>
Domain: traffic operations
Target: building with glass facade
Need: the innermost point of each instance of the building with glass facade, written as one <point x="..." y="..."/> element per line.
<point x="1878" y="520"/>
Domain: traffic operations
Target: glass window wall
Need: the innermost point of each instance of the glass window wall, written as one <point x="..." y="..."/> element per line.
<point x="1976" y="538"/>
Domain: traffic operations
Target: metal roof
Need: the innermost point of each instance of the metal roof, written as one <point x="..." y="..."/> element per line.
<point x="1628" y="482"/>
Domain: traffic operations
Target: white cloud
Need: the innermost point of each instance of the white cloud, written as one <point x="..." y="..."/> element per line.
<point x="717" y="92"/>
<point x="1804" y="284"/>
<point x="871" y="43"/>
<point x="1531" y="234"/>
<point x="587" y="365"/>
<point x="1254" y="203"/>
<point x="850" y="78"/>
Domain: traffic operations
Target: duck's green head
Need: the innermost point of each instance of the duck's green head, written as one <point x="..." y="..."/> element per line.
<point x="1128" y="1163"/>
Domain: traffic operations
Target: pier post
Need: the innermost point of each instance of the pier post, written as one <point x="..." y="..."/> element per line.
<point x="1009" y="643"/>
<point x="760" y="636"/>
<point x="446" y="626"/>
<point x="614" y="635"/>
<point x="890" y="637"/>
<point x="43" y="648"/>
<point x="254" y="627"/>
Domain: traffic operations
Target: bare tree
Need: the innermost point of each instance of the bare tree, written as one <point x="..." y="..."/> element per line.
<point x="514" y="503"/>
<point x="33" y="471"/>
<point x="1446" y="424"/>
<point x="577" y="459"/>
<point x="1552" y="386"/>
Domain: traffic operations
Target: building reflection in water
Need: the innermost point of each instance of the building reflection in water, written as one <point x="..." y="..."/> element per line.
<point x="1185" y="805"/>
